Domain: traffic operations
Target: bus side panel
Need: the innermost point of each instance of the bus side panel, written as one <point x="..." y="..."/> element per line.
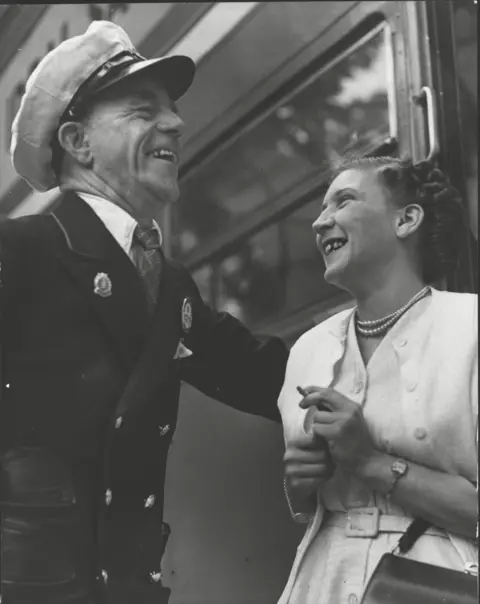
<point x="232" y="539"/>
<point x="268" y="38"/>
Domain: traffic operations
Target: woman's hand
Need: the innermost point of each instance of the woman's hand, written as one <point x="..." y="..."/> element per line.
<point x="307" y="466"/>
<point x="343" y="428"/>
<point x="447" y="500"/>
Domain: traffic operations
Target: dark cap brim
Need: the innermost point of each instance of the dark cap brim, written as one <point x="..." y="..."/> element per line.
<point x="176" y="73"/>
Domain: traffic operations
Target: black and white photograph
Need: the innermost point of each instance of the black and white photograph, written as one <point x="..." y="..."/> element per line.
<point x="239" y="302"/>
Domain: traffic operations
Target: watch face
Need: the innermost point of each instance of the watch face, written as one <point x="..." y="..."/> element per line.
<point x="399" y="467"/>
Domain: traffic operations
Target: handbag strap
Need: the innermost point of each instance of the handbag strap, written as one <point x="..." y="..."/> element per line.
<point x="412" y="534"/>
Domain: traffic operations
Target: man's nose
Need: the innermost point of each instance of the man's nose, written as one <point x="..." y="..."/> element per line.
<point x="170" y="122"/>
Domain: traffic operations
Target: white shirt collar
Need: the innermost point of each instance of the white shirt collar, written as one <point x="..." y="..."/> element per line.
<point x="119" y="222"/>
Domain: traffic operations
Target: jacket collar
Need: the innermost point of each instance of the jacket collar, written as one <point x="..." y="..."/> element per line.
<point x="339" y="328"/>
<point x="118" y="221"/>
<point x="90" y="253"/>
<point x="76" y="218"/>
<point x="86" y="248"/>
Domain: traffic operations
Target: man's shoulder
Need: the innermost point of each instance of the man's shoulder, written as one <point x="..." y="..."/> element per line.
<point x="182" y="272"/>
<point x="24" y="225"/>
<point x="23" y="240"/>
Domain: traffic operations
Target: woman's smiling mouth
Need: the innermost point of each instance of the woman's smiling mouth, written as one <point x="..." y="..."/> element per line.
<point x="333" y="244"/>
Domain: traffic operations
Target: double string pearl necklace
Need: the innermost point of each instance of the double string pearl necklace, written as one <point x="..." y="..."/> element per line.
<point x="379" y="327"/>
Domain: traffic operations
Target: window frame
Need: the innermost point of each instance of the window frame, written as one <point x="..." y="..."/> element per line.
<point x="302" y="192"/>
<point x="439" y="30"/>
<point x="407" y="53"/>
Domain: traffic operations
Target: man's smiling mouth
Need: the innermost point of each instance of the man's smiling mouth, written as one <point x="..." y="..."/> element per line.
<point x="165" y="154"/>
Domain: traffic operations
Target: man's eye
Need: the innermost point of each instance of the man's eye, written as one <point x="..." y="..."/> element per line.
<point x="144" y="111"/>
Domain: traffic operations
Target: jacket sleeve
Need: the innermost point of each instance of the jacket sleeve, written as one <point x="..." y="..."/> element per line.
<point x="232" y="365"/>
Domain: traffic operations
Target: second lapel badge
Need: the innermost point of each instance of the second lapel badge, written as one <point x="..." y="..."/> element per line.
<point x="187" y="315"/>
<point x="102" y="285"/>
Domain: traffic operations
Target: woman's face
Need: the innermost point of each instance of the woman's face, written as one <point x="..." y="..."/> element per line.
<point x="356" y="229"/>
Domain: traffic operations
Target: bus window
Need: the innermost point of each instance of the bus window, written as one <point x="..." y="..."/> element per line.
<point x="349" y="102"/>
<point x="465" y="34"/>
<point x="203" y="279"/>
<point x="276" y="272"/>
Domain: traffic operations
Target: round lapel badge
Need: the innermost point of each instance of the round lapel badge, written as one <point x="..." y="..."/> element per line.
<point x="102" y="285"/>
<point x="187" y="315"/>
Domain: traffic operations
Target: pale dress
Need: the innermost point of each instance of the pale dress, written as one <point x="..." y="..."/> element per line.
<point x="335" y="568"/>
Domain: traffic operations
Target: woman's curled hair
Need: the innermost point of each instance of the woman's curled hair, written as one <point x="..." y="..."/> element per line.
<point x="443" y="226"/>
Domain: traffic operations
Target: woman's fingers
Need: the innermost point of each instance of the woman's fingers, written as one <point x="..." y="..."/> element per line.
<point x="300" y="456"/>
<point x="313" y="399"/>
<point x="329" y="398"/>
<point x="326" y="431"/>
<point x="308" y="471"/>
<point x="324" y="417"/>
<point x="308" y="461"/>
<point x="305" y="485"/>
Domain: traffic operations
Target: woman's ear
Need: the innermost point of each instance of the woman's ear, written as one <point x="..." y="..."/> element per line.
<point x="73" y="138"/>
<point x="408" y="220"/>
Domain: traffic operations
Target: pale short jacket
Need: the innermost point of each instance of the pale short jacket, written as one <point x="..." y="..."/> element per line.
<point x="438" y="365"/>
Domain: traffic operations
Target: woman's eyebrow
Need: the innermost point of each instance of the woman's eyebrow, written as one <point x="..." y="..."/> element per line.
<point x="337" y="194"/>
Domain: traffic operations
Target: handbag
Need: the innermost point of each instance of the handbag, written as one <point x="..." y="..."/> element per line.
<point x="398" y="580"/>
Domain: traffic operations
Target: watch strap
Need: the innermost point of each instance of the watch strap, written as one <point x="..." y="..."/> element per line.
<point x="398" y="468"/>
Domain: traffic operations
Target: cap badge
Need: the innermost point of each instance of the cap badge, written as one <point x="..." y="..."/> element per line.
<point x="102" y="285"/>
<point x="187" y="315"/>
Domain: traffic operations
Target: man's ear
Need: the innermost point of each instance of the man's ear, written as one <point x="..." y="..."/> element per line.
<point x="408" y="220"/>
<point x="73" y="138"/>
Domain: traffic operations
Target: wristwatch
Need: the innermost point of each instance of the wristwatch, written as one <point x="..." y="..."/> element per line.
<point x="398" y="468"/>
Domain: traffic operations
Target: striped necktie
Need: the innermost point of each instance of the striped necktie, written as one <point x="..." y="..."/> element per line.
<point x="147" y="257"/>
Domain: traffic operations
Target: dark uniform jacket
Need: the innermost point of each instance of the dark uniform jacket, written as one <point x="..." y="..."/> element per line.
<point x="91" y="388"/>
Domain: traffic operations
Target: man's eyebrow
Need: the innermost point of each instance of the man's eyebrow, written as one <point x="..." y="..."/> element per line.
<point x="150" y="97"/>
<point x="141" y="96"/>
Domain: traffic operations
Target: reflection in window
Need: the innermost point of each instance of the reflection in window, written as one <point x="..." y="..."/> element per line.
<point x="203" y="280"/>
<point x="465" y="24"/>
<point x="276" y="272"/>
<point x="347" y="103"/>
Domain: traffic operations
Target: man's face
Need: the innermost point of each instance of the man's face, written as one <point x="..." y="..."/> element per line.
<point x="356" y="229"/>
<point x="134" y="135"/>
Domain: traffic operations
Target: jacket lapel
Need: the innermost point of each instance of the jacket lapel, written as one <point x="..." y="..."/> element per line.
<point x="154" y="365"/>
<point x="88" y="250"/>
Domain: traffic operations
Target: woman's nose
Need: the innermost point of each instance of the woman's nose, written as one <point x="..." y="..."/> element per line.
<point x="323" y="223"/>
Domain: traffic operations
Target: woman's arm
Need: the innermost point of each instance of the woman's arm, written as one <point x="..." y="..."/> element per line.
<point x="448" y="501"/>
